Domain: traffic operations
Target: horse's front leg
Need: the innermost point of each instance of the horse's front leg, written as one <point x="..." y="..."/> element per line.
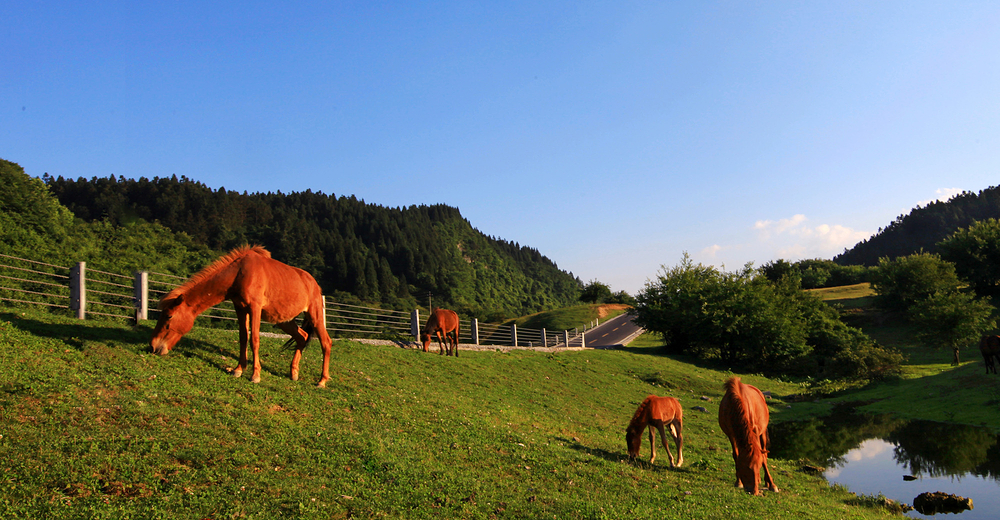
<point x="736" y="464"/>
<point x="652" y="445"/>
<point x="244" y="318"/>
<point x="255" y="342"/>
<point x="764" y="442"/>
<point x="666" y="447"/>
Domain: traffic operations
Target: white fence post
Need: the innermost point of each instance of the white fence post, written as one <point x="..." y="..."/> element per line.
<point x="583" y="339"/>
<point x="513" y="335"/>
<point x="78" y="289"/>
<point x="415" y="324"/>
<point x="545" y="342"/>
<point x="140" y="287"/>
<point x="566" y="338"/>
<point x="475" y="331"/>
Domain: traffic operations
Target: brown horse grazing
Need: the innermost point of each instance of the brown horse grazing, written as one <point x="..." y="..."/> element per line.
<point x="656" y="412"/>
<point x="442" y="321"/>
<point x="260" y="288"/>
<point x="989" y="347"/>
<point x="743" y="417"/>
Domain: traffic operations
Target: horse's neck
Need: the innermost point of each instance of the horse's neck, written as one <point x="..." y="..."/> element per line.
<point x="212" y="290"/>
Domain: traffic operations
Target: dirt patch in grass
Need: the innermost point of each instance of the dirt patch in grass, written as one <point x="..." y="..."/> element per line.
<point x="604" y="310"/>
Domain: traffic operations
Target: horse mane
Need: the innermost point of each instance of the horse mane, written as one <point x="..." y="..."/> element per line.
<point x="636" y="423"/>
<point x="743" y="422"/>
<point x="170" y="299"/>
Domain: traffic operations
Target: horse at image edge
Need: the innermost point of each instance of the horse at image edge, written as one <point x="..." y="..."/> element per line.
<point x="989" y="347"/>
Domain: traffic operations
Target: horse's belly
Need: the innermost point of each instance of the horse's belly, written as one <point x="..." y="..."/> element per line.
<point x="282" y="315"/>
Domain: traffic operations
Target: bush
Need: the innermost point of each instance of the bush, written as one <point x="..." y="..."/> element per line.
<point x="748" y="321"/>
<point x="906" y="280"/>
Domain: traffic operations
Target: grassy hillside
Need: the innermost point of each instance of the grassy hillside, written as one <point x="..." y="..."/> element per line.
<point x="568" y="318"/>
<point x="93" y="426"/>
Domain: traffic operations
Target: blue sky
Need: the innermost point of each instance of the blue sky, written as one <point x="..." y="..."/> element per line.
<point x="735" y="131"/>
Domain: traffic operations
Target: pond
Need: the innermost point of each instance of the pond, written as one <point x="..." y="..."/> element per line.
<point x="870" y="454"/>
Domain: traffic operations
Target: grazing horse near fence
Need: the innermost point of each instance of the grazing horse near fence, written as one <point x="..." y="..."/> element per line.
<point x="743" y="417"/>
<point x="442" y="321"/>
<point x="989" y="347"/>
<point x="260" y="289"/>
<point x="656" y="412"/>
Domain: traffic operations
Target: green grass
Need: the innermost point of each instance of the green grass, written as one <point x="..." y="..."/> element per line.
<point x="848" y="296"/>
<point x="568" y="318"/>
<point x="94" y="426"/>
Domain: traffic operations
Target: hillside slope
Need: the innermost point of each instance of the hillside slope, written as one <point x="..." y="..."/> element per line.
<point x="924" y="227"/>
<point x="94" y="425"/>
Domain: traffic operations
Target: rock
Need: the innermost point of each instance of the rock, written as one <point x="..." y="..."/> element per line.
<point x="813" y="470"/>
<point x="908" y="478"/>
<point x="699" y="408"/>
<point x="938" y="502"/>
<point x="706" y="398"/>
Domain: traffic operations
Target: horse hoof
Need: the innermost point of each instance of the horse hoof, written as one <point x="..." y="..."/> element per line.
<point x="255" y="379"/>
<point x="321" y="384"/>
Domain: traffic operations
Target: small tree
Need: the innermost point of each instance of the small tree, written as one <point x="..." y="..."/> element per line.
<point x="595" y="292"/>
<point x="904" y="281"/>
<point x="952" y="319"/>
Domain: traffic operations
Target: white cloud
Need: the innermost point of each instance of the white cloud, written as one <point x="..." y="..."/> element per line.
<point x="793" y="238"/>
<point x="711" y="251"/>
<point x="769" y="227"/>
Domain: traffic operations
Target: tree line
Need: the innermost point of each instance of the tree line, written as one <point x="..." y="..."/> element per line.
<point x="358" y="252"/>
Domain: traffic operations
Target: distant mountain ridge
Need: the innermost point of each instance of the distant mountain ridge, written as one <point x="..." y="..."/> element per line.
<point x="924" y="227"/>
<point x="397" y="256"/>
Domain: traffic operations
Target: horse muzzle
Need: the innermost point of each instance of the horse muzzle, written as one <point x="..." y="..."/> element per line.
<point x="160" y="347"/>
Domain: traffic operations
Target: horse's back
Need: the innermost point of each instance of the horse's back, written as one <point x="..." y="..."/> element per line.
<point x="444" y="319"/>
<point x="990" y="344"/>
<point x="280" y="288"/>
<point x="751" y="397"/>
<point x="665" y="409"/>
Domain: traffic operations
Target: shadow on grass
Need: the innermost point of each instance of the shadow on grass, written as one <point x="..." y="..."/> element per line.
<point x="135" y="339"/>
<point x="619" y="457"/>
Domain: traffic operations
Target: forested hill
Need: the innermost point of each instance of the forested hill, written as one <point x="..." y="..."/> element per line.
<point x="397" y="256"/>
<point x="924" y="227"/>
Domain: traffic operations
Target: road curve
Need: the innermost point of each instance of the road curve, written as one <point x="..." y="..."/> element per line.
<point x="615" y="332"/>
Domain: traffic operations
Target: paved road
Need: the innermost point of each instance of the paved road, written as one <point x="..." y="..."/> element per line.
<point x="617" y="331"/>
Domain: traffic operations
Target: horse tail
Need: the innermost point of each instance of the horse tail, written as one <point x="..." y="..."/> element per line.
<point x="308" y="327"/>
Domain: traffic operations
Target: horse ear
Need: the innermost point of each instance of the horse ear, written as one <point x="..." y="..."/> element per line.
<point x="169" y="302"/>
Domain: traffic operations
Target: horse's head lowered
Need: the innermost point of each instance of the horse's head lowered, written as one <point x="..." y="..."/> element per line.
<point x="176" y="320"/>
<point x="633" y="441"/>
<point x="748" y="464"/>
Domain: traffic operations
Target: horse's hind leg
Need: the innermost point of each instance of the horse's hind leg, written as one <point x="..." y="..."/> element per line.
<point x="675" y="431"/>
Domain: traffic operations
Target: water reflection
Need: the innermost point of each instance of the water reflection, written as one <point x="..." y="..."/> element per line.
<point x="870" y="454"/>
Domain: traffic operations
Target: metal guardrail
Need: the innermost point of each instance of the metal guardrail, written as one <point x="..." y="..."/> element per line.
<point x="86" y="291"/>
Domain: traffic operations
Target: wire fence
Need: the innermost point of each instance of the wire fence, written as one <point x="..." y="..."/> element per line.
<point x="88" y="291"/>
